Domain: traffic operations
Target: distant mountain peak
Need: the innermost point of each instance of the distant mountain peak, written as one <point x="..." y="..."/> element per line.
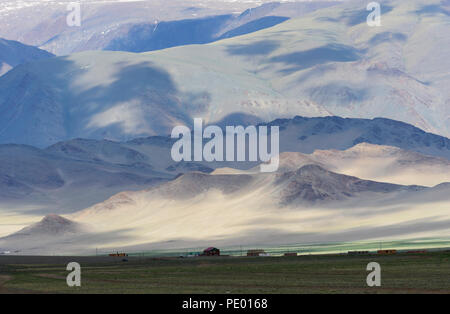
<point x="51" y="225"/>
<point x="313" y="183"/>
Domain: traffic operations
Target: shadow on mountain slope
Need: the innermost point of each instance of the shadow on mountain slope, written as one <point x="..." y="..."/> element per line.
<point x="132" y="99"/>
<point x="309" y="58"/>
<point x="263" y="47"/>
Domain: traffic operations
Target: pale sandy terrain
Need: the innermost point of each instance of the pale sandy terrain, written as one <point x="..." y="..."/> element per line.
<point x="376" y="162"/>
<point x="11" y="221"/>
<point x="198" y="209"/>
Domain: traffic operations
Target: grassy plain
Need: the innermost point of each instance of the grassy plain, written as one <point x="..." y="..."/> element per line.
<point x="401" y="273"/>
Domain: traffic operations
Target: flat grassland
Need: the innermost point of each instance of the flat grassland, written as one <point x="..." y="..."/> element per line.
<point x="400" y="273"/>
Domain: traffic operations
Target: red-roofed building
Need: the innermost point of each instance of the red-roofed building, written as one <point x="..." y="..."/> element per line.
<point x="211" y="251"/>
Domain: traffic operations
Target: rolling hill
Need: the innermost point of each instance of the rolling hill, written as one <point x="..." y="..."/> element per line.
<point x="30" y="176"/>
<point x="13" y="53"/>
<point x="375" y="162"/>
<point x="141" y="25"/>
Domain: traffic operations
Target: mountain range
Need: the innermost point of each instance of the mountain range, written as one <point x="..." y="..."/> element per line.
<point x="85" y="151"/>
<point x="306" y="205"/>
<point x="315" y="65"/>
<point x="75" y="174"/>
<point x="229" y="206"/>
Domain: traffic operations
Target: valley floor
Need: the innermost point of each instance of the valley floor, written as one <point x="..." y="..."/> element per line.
<point x="400" y="273"/>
